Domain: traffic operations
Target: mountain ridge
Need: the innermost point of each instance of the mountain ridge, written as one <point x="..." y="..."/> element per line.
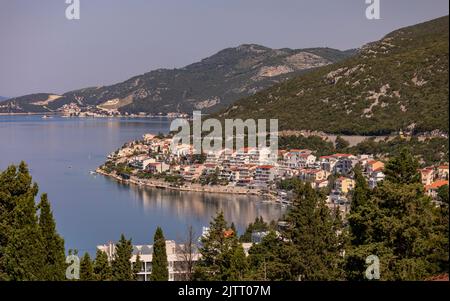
<point x="208" y="85"/>
<point x="397" y="83"/>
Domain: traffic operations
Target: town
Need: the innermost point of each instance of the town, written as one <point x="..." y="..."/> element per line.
<point x="155" y="162"/>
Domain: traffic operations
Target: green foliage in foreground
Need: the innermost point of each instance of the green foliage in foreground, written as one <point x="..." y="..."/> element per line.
<point x="396" y="222"/>
<point x="30" y="247"/>
<point x="399" y="224"/>
<point x="160" y="271"/>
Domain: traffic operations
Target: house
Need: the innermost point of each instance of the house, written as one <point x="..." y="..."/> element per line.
<point x="297" y="158"/>
<point x="373" y="165"/>
<point x="320" y="184"/>
<point x="312" y="175"/>
<point x="432" y="189"/>
<point x="375" y="177"/>
<point x="157" y="167"/>
<point x="327" y="163"/>
<point x="264" y="174"/>
<point x="192" y="172"/>
<point x="175" y="259"/>
<point x="344" y="184"/>
<point x="427" y="175"/>
<point x="344" y="164"/>
<point x="442" y="172"/>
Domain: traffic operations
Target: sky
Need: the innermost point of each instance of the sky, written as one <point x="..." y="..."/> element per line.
<point x="42" y="51"/>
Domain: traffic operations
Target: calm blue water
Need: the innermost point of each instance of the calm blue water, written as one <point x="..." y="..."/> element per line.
<point x="91" y="210"/>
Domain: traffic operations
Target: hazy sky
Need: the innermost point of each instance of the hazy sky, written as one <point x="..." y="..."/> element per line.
<point x="42" y="51"/>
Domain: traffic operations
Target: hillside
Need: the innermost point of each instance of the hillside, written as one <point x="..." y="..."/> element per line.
<point x="399" y="82"/>
<point x="3" y="98"/>
<point x="209" y="85"/>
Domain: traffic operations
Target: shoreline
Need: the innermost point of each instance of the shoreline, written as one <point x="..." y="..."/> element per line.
<point x="161" y="184"/>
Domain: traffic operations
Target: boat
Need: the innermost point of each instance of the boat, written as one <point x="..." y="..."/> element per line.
<point x="93" y="172"/>
<point x="46" y="117"/>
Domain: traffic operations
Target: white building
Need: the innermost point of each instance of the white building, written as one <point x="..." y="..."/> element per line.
<point x="176" y="259"/>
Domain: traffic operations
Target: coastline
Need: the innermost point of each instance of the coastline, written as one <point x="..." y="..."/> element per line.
<point x="161" y="184"/>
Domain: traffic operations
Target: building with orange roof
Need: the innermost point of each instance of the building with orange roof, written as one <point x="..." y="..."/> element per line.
<point x="433" y="188"/>
<point x="228" y="233"/>
<point x="374" y="165"/>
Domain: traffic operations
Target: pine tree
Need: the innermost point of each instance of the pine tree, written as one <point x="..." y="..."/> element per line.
<point x="30" y="248"/>
<point x="216" y="251"/>
<point x="102" y="267"/>
<point x="401" y="226"/>
<point x="55" y="265"/>
<point x="269" y="260"/>
<point x="121" y="265"/>
<point x="160" y="270"/>
<point x="259" y="225"/>
<point x="22" y="247"/>
<point x="403" y="169"/>
<point x="314" y="239"/>
<point x="86" y="269"/>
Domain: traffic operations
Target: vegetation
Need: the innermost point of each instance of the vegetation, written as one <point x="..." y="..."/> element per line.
<point x="399" y="224"/>
<point x="160" y="271"/>
<point x="320" y="146"/>
<point x="259" y="225"/>
<point x="396" y="222"/>
<point x="102" y="267"/>
<point x="429" y="151"/>
<point x="399" y="82"/>
<point x="86" y="268"/>
<point x="30" y="247"/>
<point x="221" y="254"/>
<point x="121" y="266"/>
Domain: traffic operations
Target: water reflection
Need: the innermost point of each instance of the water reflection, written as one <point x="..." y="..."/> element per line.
<point x="200" y="206"/>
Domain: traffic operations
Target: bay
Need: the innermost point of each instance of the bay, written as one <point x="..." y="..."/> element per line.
<point x="92" y="210"/>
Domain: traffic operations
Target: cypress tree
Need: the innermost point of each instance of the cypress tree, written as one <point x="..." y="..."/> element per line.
<point x="160" y="270"/>
<point x="102" y="267"/>
<point x="137" y="267"/>
<point x="360" y="206"/>
<point x="55" y="265"/>
<point x="121" y="265"/>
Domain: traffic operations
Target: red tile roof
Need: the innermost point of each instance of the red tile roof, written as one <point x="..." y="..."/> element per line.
<point x="436" y="184"/>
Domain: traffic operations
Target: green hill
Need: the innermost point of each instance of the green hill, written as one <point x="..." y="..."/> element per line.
<point x="399" y="82"/>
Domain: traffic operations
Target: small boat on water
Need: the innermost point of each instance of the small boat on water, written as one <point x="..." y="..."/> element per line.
<point x="93" y="172"/>
<point x="46" y="117"/>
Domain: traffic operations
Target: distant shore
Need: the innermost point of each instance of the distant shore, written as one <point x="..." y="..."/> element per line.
<point x="20" y="114"/>
<point x="161" y="184"/>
